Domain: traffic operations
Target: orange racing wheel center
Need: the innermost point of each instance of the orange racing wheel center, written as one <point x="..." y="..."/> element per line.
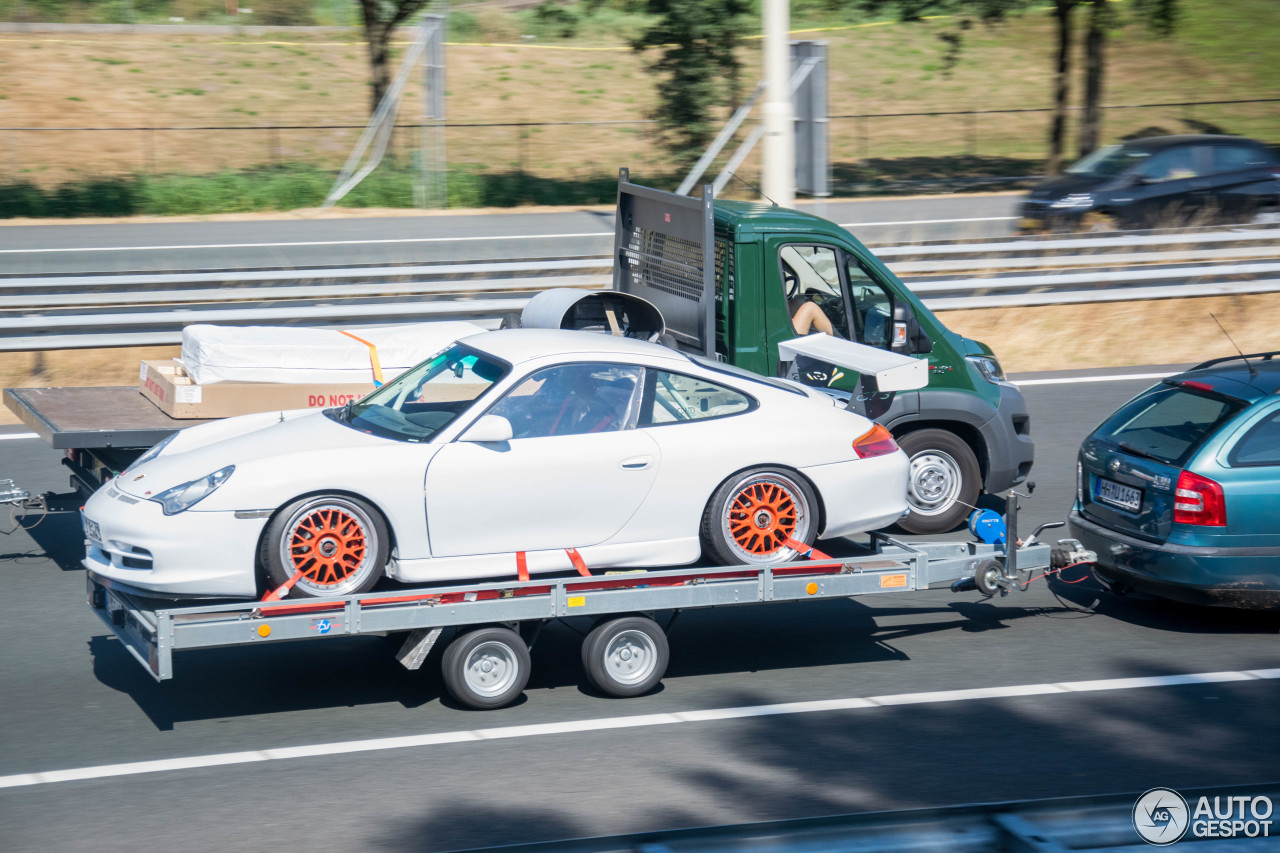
<point x="762" y="516"/>
<point x="327" y="545"/>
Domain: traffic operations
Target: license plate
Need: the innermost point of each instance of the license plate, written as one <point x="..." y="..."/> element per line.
<point x="91" y="530"/>
<point x="1119" y="495"/>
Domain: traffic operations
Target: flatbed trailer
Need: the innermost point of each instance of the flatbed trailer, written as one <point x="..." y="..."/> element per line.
<point x="100" y="430"/>
<point x="486" y="664"/>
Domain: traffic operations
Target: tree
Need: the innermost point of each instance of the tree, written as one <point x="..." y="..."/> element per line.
<point x="381" y="17"/>
<point x="697" y="42"/>
<point x="1062" y="11"/>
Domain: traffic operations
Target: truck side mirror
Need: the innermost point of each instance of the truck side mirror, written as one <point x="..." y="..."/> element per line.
<point x="908" y="337"/>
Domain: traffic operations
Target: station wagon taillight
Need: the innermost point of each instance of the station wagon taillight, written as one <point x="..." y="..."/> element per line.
<point x="874" y="442"/>
<point x="1199" y="501"/>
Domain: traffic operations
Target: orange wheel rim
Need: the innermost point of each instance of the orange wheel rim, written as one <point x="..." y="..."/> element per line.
<point x="762" y="518"/>
<point x="327" y="546"/>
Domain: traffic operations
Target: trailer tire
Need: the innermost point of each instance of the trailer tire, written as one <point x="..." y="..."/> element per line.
<point x="626" y="657"/>
<point x="753" y="512"/>
<point x="510" y="320"/>
<point x="986" y="575"/>
<point x="486" y="668"/>
<point x="944" y="481"/>
<point x="339" y="543"/>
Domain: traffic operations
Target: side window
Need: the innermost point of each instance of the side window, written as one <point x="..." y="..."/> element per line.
<point x="1234" y="158"/>
<point x="872" y="308"/>
<point x="811" y="282"/>
<point x="1172" y="164"/>
<point x="1260" y="446"/>
<point x="572" y="399"/>
<point x="675" y="397"/>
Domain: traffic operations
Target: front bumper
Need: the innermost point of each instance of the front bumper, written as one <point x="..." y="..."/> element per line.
<point x="1222" y="577"/>
<point x="1010" y="450"/>
<point x="206" y="554"/>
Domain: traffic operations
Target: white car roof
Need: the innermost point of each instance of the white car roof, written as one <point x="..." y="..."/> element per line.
<point x="516" y="346"/>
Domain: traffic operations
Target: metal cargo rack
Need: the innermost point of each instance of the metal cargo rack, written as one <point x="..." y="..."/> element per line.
<point x="153" y="630"/>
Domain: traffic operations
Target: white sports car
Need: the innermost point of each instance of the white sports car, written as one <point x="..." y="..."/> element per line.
<point x="534" y="446"/>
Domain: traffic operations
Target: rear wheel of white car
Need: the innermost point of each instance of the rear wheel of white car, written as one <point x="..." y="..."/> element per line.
<point x="334" y="544"/>
<point x="944" y="482"/>
<point x="754" y="513"/>
<point x="626" y="657"/>
<point x="486" y="668"/>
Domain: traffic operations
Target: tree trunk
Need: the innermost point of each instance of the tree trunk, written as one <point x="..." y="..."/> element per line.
<point x="379" y="37"/>
<point x="1061" y="81"/>
<point x="1094" y="69"/>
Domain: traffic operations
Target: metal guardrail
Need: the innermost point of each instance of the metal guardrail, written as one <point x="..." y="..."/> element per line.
<point x="117" y="309"/>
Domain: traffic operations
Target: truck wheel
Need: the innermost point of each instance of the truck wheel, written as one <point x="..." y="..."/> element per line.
<point x="625" y="657"/>
<point x="486" y="668"/>
<point x="339" y="543"/>
<point x="944" y="483"/>
<point x="754" y="512"/>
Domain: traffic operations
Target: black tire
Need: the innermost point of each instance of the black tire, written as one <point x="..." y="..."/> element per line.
<point x="625" y="657"/>
<point x="339" y="542"/>
<point x="986" y="575"/>
<point x="944" y="483"/>
<point x="486" y="668"/>
<point x="510" y="321"/>
<point x="752" y="512"/>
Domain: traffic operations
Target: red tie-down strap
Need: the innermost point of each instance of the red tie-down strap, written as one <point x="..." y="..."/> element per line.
<point x="807" y="551"/>
<point x="522" y="566"/>
<point x="576" y="559"/>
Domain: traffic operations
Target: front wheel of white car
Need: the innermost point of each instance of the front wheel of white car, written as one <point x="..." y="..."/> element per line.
<point x="327" y="544"/>
<point x="755" y="513"/>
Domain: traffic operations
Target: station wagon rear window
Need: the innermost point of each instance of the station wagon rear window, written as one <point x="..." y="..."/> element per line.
<point x="1167" y="423"/>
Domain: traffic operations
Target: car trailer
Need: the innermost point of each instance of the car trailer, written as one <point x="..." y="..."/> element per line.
<point x="487" y="663"/>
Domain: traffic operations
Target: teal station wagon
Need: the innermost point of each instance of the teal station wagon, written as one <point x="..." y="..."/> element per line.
<point x="1178" y="492"/>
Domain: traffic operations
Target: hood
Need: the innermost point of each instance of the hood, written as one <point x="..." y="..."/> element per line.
<point x="1066" y="185"/>
<point x="200" y="451"/>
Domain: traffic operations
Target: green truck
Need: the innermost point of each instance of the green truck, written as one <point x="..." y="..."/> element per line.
<point x="726" y="278"/>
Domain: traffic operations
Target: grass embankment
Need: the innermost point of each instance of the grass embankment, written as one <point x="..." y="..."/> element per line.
<point x="163" y="92"/>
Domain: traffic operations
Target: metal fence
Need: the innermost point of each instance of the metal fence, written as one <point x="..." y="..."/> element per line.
<point x="943" y="147"/>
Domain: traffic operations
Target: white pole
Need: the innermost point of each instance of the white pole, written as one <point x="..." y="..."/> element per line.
<point x="779" y="179"/>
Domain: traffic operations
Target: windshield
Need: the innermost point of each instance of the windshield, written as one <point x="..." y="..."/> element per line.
<point x="1167" y="423"/>
<point x="1109" y="161"/>
<point x="423" y="400"/>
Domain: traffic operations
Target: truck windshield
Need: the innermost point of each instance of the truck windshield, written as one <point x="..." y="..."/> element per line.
<point x="1167" y="423"/>
<point x="423" y="400"/>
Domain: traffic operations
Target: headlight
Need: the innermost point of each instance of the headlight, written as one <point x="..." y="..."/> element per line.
<point x="187" y="495"/>
<point x="988" y="367"/>
<point x="1075" y="200"/>
<point x="155" y="451"/>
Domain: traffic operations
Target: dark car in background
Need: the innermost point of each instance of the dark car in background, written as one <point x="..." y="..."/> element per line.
<point x="1157" y="182"/>
<point x="1178" y="492"/>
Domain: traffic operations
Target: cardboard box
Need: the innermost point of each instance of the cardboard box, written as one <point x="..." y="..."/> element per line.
<point x="167" y="385"/>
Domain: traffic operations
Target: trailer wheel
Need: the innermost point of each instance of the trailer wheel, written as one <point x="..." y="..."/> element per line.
<point x="986" y="577"/>
<point x="944" y="481"/>
<point x="486" y="668"/>
<point x="753" y="513"/>
<point x="626" y="657"/>
<point x="338" y="543"/>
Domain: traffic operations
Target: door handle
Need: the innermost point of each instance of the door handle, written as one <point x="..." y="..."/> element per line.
<point x="636" y="463"/>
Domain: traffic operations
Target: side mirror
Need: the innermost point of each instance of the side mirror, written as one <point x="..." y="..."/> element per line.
<point x="908" y="337"/>
<point x="490" y="429"/>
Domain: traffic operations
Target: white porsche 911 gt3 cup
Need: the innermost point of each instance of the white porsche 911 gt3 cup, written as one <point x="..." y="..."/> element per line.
<point x="533" y="444"/>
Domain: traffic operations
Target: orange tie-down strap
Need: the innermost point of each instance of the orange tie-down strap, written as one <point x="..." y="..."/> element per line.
<point x="807" y="551"/>
<point x="373" y="357"/>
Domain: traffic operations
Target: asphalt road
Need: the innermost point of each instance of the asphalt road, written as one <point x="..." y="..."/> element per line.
<point x="295" y="243"/>
<point x="75" y="699"/>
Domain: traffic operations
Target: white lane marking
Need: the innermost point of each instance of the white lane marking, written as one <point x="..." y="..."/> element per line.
<point x="389" y="241"/>
<point x="13" y="435"/>
<point x="1069" y="380"/>
<point x="638" y="721"/>
<point x="927" y="221"/>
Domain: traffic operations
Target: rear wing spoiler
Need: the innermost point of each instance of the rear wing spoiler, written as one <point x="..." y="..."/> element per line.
<point x="664" y="252"/>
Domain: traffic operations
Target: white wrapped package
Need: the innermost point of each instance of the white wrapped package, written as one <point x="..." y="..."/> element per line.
<point x="294" y="355"/>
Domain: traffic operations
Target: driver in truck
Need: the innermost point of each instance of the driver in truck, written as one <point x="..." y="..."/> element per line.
<point x="807" y="317"/>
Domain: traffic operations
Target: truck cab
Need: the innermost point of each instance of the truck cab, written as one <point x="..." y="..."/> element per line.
<point x="728" y="276"/>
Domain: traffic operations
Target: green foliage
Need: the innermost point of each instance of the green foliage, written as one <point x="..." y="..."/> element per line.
<point x="697" y="66"/>
<point x="284" y="13"/>
<point x="556" y="20"/>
